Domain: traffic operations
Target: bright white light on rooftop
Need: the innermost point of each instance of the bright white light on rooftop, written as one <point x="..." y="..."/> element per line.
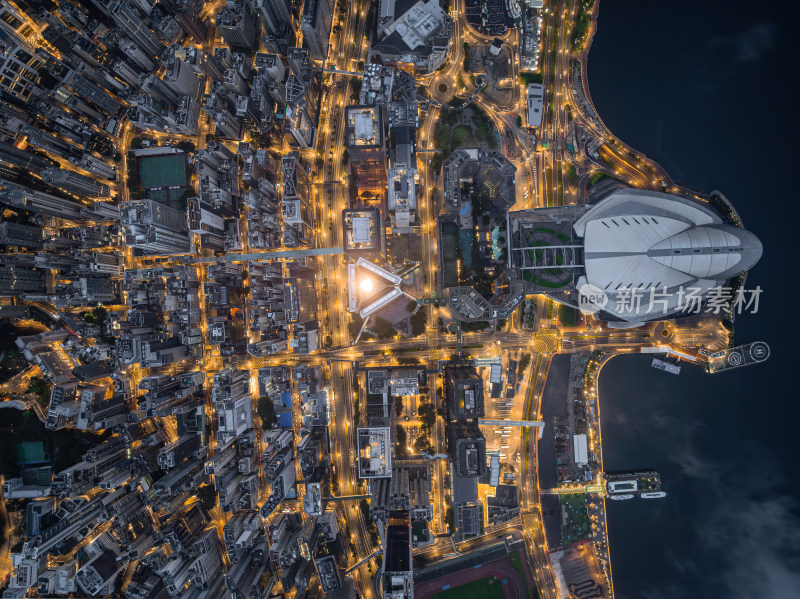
<point x="366" y="285"/>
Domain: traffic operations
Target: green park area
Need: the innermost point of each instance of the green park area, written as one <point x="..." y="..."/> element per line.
<point x="581" y="30"/>
<point x="461" y="133"/>
<point x="162" y="171"/>
<point x="486" y="588"/>
<point x="528" y="78"/>
<point x="463" y="127"/>
<point x="572" y="176"/>
<point x="596" y="177"/>
<point x="576" y="525"/>
<point x="567" y="315"/>
<point x="419" y="320"/>
<point x="532" y="278"/>
<point x="549" y="282"/>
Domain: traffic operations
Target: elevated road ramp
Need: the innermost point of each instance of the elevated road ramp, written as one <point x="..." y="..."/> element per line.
<point x="364" y="561"/>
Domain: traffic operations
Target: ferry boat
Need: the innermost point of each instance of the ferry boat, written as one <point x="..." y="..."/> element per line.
<point x="621" y="497"/>
<point x="654" y="495"/>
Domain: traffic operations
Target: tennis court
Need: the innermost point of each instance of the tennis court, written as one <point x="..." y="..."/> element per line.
<point x="31" y="452"/>
<point x="162" y="171"/>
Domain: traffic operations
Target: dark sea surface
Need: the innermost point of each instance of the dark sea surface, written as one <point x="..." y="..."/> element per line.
<point x="708" y="90"/>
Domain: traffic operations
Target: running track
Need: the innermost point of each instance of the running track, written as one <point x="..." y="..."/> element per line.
<point x="500" y="569"/>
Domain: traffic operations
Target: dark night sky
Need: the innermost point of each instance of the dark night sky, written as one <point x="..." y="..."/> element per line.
<point x="705" y="89"/>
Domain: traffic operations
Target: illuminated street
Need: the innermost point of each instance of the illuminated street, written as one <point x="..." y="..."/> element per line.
<point x="311" y="298"/>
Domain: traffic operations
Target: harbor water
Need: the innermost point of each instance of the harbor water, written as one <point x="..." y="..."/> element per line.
<point x="703" y="88"/>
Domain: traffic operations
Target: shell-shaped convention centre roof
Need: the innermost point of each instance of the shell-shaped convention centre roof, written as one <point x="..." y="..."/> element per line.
<point x="643" y="240"/>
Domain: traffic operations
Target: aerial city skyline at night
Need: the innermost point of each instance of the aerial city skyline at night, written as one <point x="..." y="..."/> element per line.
<point x="312" y="298"/>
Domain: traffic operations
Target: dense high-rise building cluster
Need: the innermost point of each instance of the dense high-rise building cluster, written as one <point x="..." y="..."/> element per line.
<point x="381" y="137"/>
<point x="260" y="265"/>
<point x="139" y="143"/>
<point x="161" y="168"/>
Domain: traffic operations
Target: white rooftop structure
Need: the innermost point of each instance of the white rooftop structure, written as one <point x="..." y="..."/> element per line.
<point x="655" y="244"/>
<point x="361" y="230"/>
<point x="402" y="199"/>
<point x="472" y="153"/>
<point x="535" y="104"/>
<point x="363" y="123"/>
<point x="352" y="288"/>
<point x="379" y="271"/>
<point x="494" y="470"/>
<point x="374" y="452"/>
<point x="580" y="449"/>
<point x="404" y="382"/>
<point x="415" y="25"/>
<point x="364" y="126"/>
<point x="376" y="85"/>
<point x="375" y="285"/>
<point x="381" y="302"/>
<point x="623" y="486"/>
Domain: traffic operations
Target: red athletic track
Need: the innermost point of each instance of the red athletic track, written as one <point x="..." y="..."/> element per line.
<point x="500" y="569"/>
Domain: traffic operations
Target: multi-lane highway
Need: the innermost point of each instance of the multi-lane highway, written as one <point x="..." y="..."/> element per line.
<point x="345" y="51"/>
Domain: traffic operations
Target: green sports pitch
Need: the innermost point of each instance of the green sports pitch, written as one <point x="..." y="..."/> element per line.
<point x="162" y="171"/>
<point x="485" y="588"/>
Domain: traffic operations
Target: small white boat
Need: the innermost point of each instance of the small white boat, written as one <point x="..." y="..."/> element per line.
<point x="654" y="495"/>
<point x="621" y="497"/>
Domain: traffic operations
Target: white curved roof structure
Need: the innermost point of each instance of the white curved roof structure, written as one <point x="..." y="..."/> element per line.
<point x="653" y="244"/>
